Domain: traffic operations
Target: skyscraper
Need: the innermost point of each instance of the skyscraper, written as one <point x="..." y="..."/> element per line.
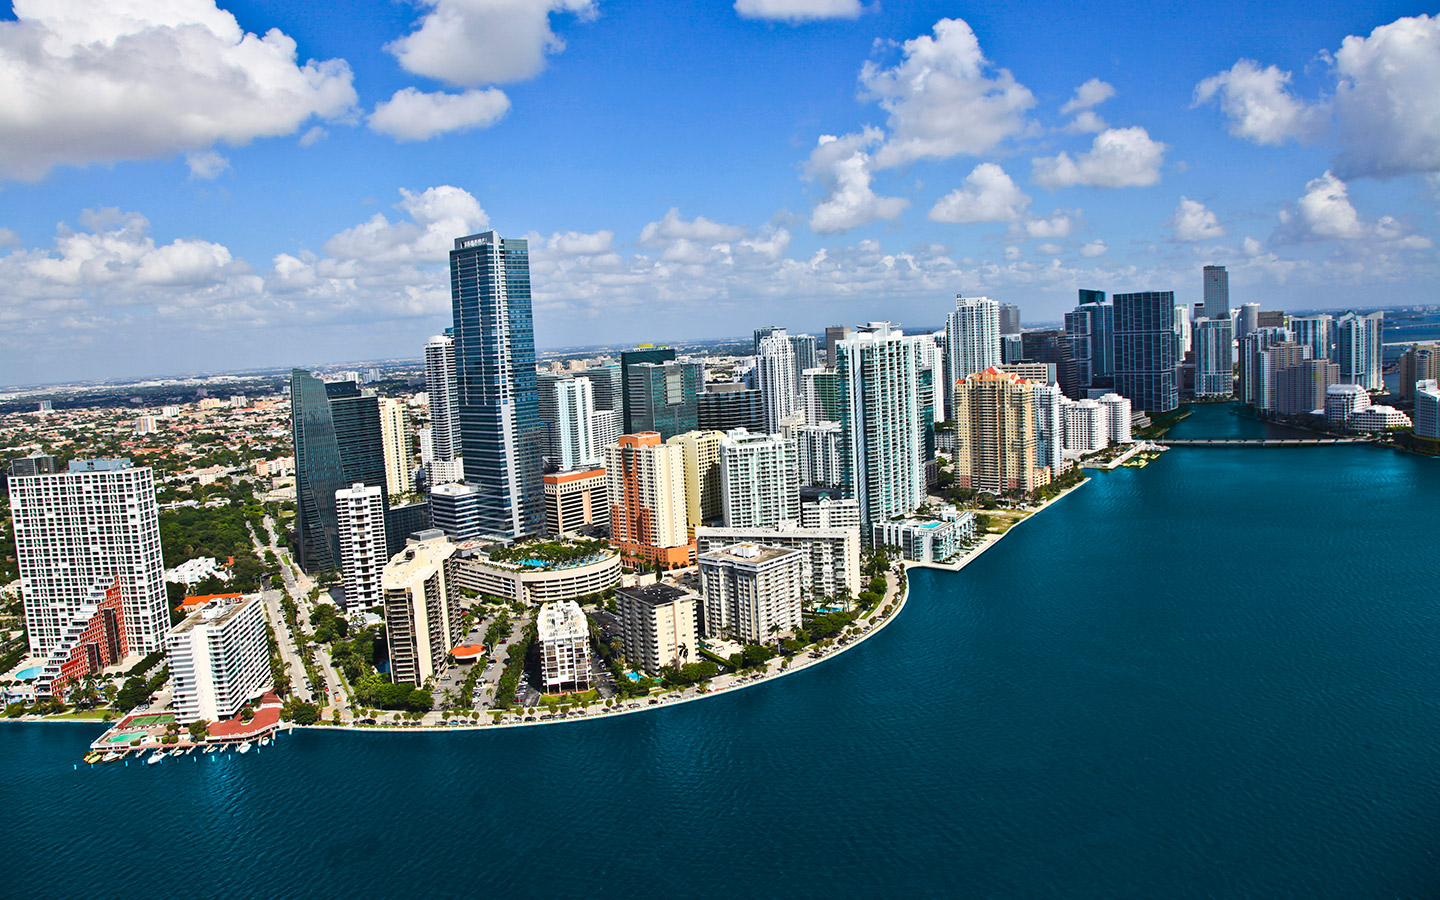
<point x="663" y="397"/>
<point x="1009" y="318"/>
<point x="338" y="443"/>
<point x="567" y="407"/>
<point x="1217" y="292"/>
<point x="775" y="371"/>
<point x="360" y="516"/>
<point x="995" y="422"/>
<point x="500" y="434"/>
<point x="1053" y="347"/>
<point x="834" y="334"/>
<point x="725" y="410"/>
<point x="395" y="447"/>
<point x="807" y="355"/>
<point x="1147" y="369"/>
<point x="1090" y="328"/>
<point x="1358" y="349"/>
<point x="1247" y="321"/>
<point x="759" y="480"/>
<point x="645" y="487"/>
<point x="880" y="421"/>
<point x="441" y="388"/>
<point x="643" y="354"/>
<point x="972" y="337"/>
<point x="1317" y="332"/>
<point x="1214" y="368"/>
<point x="78" y="529"/>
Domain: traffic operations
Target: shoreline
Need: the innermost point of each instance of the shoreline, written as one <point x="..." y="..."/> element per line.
<point x="900" y="599"/>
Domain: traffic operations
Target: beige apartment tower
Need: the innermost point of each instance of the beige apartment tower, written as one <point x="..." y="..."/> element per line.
<point x="659" y="623"/>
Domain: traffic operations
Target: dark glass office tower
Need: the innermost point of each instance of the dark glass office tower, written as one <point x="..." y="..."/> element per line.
<point x="1054" y="347"/>
<point x="663" y="397"/>
<point x="1147" y="363"/>
<point x="500" y="433"/>
<point x="728" y="410"/>
<point x="629" y="358"/>
<point x="336" y="431"/>
<point x="1090" y="328"/>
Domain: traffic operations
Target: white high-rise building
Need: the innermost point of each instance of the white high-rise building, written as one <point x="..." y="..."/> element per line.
<point x="1316" y="332"/>
<point x="880" y="421"/>
<point x="817" y="449"/>
<point x="972" y="334"/>
<point x="82" y="527"/>
<point x="1427" y="409"/>
<point x="567" y="407"/>
<point x="440" y="384"/>
<point x="605" y="427"/>
<point x="395" y="441"/>
<point x="219" y="659"/>
<point x="759" y="480"/>
<point x="1358" y="349"/>
<point x="426" y="437"/>
<point x="1049" y="427"/>
<point x="1118" y="415"/>
<point x="752" y="592"/>
<point x="564" y="636"/>
<point x="830" y="513"/>
<point x="1182" y="330"/>
<point x="1087" y="426"/>
<point x="775" y="377"/>
<point x="360" y="518"/>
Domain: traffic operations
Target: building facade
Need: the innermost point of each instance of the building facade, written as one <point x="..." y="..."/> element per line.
<point x="422" y="614"/>
<point x="575" y="502"/>
<point x="360" y="512"/>
<point x="759" y="480"/>
<point x="645" y="488"/>
<point x="83" y="527"/>
<point x="752" y="592"/>
<point x="1147" y="364"/>
<point x="563" y="633"/>
<point x="703" y="502"/>
<point x="219" y="659"/>
<point x="659" y="625"/>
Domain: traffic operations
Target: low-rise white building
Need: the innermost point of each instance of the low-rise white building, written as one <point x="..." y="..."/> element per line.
<point x="832" y="566"/>
<point x="933" y="536"/>
<point x="564" y="636"/>
<point x="219" y="659"/>
<point x="1344" y="400"/>
<point x="1377" y="418"/>
<point x="752" y="592"/>
<point x="193" y="571"/>
<point x="1086" y="425"/>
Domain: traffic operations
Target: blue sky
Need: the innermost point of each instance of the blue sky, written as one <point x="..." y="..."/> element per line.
<point x="185" y="186"/>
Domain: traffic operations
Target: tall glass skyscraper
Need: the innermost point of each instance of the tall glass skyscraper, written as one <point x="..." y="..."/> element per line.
<point x="338" y="443"/>
<point x="1090" y="328"/>
<point x="1217" y="292"/>
<point x="1147" y="364"/>
<point x="500" y="432"/>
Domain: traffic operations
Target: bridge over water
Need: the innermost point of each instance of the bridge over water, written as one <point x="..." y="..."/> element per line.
<point x="1261" y="442"/>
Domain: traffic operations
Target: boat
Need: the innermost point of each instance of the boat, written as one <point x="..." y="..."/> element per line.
<point x="155" y="757"/>
<point x="93" y="757"/>
<point x="244" y="748"/>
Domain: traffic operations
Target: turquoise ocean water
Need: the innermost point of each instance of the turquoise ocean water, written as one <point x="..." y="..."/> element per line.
<point x="1218" y="676"/>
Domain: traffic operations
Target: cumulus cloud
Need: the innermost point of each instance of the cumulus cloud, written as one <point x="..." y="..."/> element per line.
<point x="988" y="195"/>
<point x="437" y="216"/>
<point x="1087" y="96"/>
<point x="82" y="83"/>
<point x="1193" y="222"/>
<point x="1259" y="104"/>
<point x="841" y="165"/>
<point x="673" y="228"/>
<point x="1387" y="99"/>
<point x="1057" y="225"/>
<point x="412" y="115"/>
<point x="1324" y="212"/>
<point x="1118" y="157"/>
<point x="207" y="165"/>
<point x="798" y="10"/>
<point x="1050" y="249"/>
<point x="942" y="99"/>
<point x="476" y="42"/>
<point x="1093" y="249"/>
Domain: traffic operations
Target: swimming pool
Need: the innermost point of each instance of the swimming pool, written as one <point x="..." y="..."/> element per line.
<point x="30" y="673"/>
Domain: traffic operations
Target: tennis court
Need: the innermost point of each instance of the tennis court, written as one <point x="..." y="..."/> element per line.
<point x="157" y="719"/>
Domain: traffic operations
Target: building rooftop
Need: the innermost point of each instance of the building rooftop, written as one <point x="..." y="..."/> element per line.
<point x="561" y="621"/>
<point x="654" y="594"/>
<point x="755" y="554"/>
<point x="216" y="612"/>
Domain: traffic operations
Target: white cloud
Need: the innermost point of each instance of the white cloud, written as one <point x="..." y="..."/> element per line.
<point x="1086" y="122"/>
<point x="412" y="115"/>
<point x="207" y="165"/>
<point x="1259" y="104"/>
<point x="437" y="217"/>
<point x="673" y="228"/>
<point x="126" y="79"/>
<point x="475" y="42"/>
<point x="989" y="195"/>
<point x="842" y="167"/>
<point x="1388" y="99"/>
<point x="798" y="10"/>
<point x="1118" y="157"/>
<point x="941" y="102"/>
<point x="1013" y="253"/>
<point x="315" y="135"/>
<point x="1325" y="212"/>
<point x="575" y="243"/>
<point x="8" y="237"/>
<point x="1093" y="249"/>
<point x="1050" y="249"/>
<point x="1193" y="222"/>
<point x="1088" y="95"/>
<point x="1057" y="225"/>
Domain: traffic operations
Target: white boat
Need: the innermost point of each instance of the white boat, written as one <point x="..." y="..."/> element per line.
<point x="111" y="756"/>
<point x="155" y="757"/>
<point x="244" y="748"/>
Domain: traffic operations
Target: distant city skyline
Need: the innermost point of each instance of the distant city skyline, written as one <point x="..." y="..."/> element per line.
<point x="297" y="199"/>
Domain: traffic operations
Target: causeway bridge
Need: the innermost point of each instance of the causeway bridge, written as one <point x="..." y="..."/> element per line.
<point x="1262" y="442"/>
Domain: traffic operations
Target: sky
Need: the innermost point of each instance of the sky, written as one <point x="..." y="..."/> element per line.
<point x="191" y="186"/>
